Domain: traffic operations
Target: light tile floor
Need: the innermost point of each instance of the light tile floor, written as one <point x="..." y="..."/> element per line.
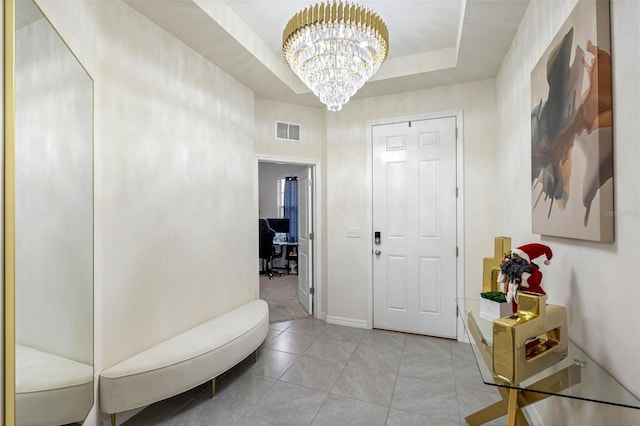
<point x="312" y="373"/>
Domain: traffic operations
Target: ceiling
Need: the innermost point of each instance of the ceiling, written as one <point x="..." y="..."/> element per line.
<point x="431" y="42"/>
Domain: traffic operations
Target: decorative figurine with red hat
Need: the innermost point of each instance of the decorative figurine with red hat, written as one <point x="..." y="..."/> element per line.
<point x="517" y="270"/>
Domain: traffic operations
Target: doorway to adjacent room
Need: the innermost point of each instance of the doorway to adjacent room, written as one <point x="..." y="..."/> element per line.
<point x="286" y="200"/>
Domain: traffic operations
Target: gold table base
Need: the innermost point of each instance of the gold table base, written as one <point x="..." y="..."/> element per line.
<point x="513" y="398"/>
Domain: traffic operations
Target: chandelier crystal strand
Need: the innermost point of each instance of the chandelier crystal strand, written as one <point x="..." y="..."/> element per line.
<point x="334" y="48"/>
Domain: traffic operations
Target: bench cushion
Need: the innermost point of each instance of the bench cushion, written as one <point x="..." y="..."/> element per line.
<point x="51" y="389"/>
<point x="42" y="371"/>
<point x="186" y="360"/>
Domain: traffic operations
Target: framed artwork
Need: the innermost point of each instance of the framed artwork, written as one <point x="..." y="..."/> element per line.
<point x="572" y="129"/>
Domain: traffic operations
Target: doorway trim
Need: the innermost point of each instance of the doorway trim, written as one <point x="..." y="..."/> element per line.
<point x="317" y="229"/>
<point x="458" y="114"/>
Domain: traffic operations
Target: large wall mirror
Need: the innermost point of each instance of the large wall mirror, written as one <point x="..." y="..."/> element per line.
<point x="48" y="224"/>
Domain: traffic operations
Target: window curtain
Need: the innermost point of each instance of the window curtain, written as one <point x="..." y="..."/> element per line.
<point x="291" y="206"/>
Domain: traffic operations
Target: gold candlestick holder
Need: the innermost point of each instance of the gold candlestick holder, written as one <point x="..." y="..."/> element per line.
<point x="491" y="265"/>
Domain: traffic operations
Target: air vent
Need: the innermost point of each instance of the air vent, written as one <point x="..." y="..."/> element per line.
<point x="287" y="131"/>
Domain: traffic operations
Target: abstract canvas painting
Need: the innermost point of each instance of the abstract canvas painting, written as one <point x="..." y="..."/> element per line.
<point x="572" y="129"/>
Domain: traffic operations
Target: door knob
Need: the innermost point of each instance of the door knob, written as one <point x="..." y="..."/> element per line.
<point x="378" y="252"/>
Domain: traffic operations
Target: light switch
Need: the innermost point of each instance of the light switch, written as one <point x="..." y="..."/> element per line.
<point x="353" y="232"/>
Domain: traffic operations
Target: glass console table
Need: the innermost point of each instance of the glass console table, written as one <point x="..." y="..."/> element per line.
<point x="574" y="376"/>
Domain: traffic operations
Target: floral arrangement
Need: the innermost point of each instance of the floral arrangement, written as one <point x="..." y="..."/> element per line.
<point x="496" y="296"/>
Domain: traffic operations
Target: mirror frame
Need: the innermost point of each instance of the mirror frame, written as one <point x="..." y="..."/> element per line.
<point x="8" y="209"/>
<point x="9" y="213"/>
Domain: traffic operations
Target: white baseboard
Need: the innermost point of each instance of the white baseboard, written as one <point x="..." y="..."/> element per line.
<point x="348" y="322"/>
<point x="463" y="337"/>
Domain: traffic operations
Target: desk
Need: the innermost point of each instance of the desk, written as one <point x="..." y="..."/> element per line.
<point x="290" y="253"/>
<point x="576" y="376"/>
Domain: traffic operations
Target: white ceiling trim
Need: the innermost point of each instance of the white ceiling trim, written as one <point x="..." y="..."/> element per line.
<point x="417" y="64"/>
<point x="243" y="34"/>
<point x="463" y="8"/>
<point x="222" y="32"/>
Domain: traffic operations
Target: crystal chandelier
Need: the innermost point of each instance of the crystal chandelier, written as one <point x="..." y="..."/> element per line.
<point x="335" y="48"/>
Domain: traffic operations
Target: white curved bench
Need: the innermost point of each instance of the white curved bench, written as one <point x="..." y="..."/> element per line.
<point x="184" y="361"/>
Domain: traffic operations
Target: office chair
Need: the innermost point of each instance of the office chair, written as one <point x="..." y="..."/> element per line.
<point x="266" y="251"/>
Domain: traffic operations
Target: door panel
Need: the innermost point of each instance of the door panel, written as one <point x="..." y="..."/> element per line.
<point x="397" y="199"/>
<point x="428" y="193"/>
<point x="397" y="291"/>
<point x="429" y="288"/>
<point x="414" y="209"/>
<point x="305" y="225"/>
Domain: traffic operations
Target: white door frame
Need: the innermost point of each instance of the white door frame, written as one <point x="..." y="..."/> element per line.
<point x="459" y="203"/>
<point x="316" y="254"/>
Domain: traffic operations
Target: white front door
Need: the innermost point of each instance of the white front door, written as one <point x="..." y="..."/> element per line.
<point x="305" y="246"/>
<point x="414" y="212"/>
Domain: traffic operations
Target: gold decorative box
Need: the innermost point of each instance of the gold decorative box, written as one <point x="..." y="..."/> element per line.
<point x="531" y="340"/>
<point x="491" y="265"/>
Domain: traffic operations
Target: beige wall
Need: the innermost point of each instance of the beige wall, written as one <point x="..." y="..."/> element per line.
<point x="349" y="187"/>
<point x="312" y="130"/>
<point x="174" y="180"/>
<point x="269" y="174"/>
<point x="598" y="282"/>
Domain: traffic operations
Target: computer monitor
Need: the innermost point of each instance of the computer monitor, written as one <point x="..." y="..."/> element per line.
<point x="279" y="225"/>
